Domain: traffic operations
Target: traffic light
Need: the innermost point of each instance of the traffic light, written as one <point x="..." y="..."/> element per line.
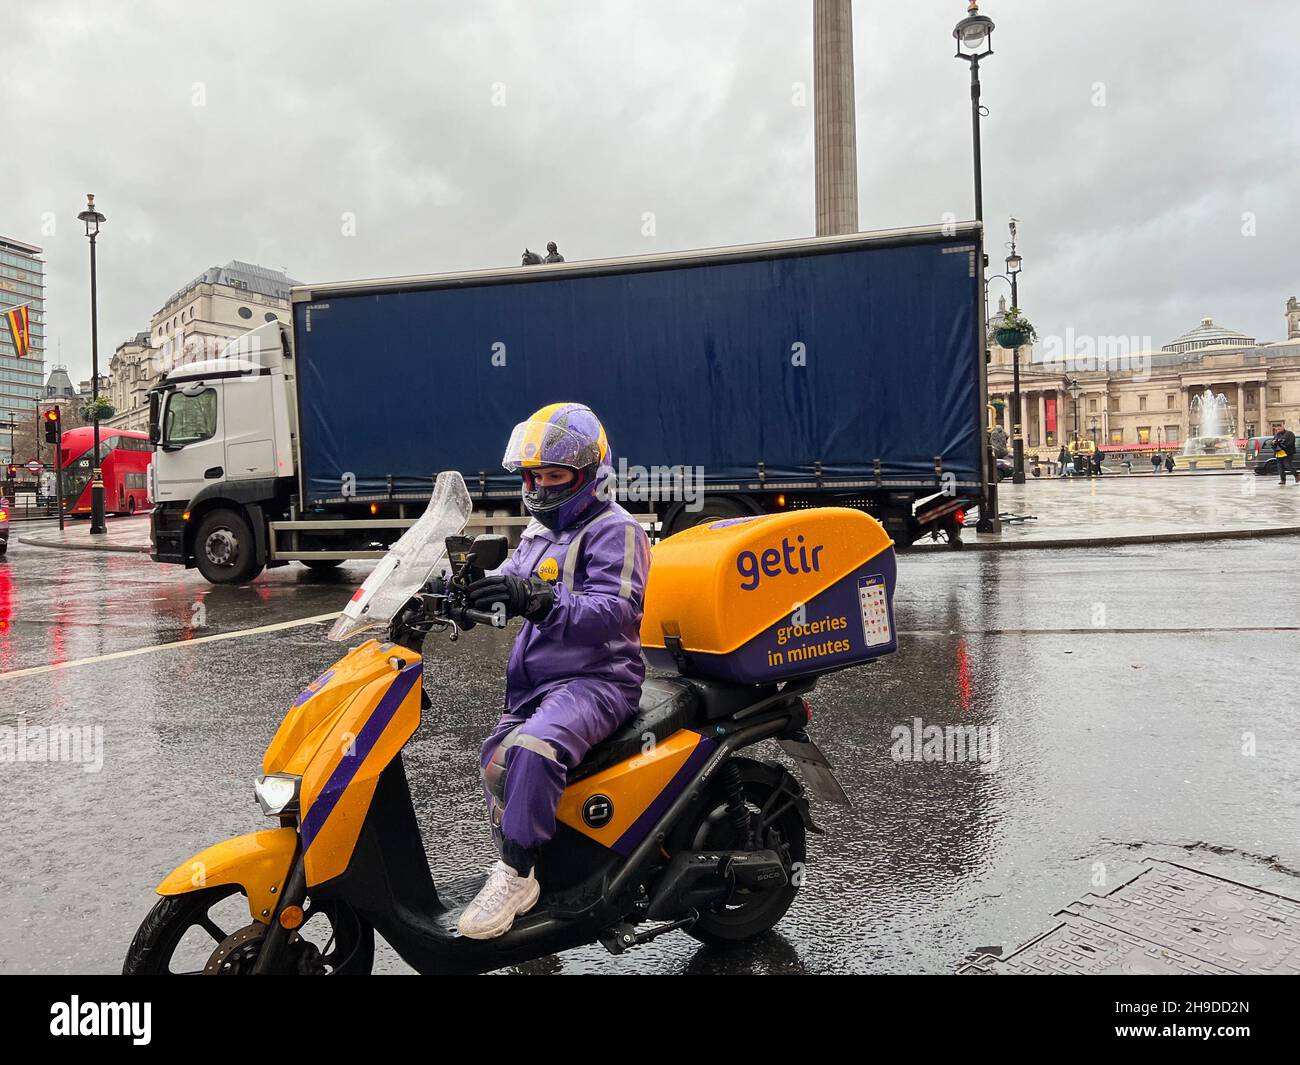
<point x="51" y="418"/>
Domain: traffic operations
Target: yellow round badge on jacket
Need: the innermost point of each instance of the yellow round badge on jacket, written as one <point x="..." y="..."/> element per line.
<point x="549" y="569"/>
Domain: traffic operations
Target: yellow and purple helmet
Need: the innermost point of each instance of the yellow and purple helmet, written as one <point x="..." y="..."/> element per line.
<point x="561" y="434"/>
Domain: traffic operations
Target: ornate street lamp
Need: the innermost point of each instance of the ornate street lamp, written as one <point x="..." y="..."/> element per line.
<point x="1074" y="390"/>
<point x="974" y="37"/>
<point x="93" y="218"/>
<point x="1017" y="430"/>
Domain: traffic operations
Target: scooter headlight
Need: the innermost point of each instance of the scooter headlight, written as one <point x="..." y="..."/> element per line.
<point x="278" y="793"/>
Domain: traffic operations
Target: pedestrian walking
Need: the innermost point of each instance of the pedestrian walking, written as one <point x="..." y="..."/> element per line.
<point x="1155" y="462"/>
<point x="1169" y="464"/>
<point x="1284" y="452"/>
<point x="1063" y="460"/>
<point x="1096" y="463"/>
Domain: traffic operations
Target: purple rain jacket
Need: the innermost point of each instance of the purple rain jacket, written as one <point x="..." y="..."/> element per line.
<point x="593" y="631"/>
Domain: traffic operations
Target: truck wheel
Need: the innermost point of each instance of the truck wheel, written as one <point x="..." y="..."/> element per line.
<point x="224" y="549"/>
<point x="716" y="508"/>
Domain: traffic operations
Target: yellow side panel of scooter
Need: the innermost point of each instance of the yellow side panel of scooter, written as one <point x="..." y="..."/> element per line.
<point x="346" y="727"/>
<point x="631" y="788"/>
<point x="258" y="862"/>
<point x="316" y="712"/>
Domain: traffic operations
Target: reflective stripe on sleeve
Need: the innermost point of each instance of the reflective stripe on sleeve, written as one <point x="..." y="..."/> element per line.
<point x="575" y="548"/>
<point x="571" y="561"/>
<point x="629" y="561"/>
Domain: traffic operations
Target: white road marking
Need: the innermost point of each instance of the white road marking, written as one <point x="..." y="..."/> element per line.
<point x="34" y="670"/>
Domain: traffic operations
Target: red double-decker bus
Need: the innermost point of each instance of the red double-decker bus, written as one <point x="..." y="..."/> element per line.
<point x="125" y="461"/>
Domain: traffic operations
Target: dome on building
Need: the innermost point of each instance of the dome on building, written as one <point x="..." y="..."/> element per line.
<point x="1209" y="335"/>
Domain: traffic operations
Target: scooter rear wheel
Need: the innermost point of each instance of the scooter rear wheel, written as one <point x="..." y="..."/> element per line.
<point x="197" y="933"/>
<point x="747" y="914"/>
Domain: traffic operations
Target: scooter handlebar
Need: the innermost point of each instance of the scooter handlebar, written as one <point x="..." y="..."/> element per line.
<point x="483" y="617"/>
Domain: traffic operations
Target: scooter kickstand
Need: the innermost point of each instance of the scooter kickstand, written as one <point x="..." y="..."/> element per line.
<point x="622" y="937"/>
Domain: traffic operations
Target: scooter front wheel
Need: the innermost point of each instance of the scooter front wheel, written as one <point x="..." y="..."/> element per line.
<point x="201" y="933"/>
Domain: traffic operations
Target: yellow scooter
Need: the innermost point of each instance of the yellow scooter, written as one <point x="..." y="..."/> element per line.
<point x="663" y="826"/>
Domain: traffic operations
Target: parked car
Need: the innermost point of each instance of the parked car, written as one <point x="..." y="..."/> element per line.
<point x="1259" y="455"/>
<point x="4" y="526"/>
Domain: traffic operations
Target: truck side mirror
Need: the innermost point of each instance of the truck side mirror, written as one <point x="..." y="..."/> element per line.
<point x="489" y="551"/>
<point x="155" y="430"/>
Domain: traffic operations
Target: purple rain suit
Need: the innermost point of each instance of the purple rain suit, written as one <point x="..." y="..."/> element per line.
<point x="573" y="679"/>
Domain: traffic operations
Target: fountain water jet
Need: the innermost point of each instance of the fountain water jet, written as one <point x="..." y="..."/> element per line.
<point x="1212" y="448"/>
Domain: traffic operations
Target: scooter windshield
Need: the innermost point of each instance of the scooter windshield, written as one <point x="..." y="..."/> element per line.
<point x="409" y="562"/>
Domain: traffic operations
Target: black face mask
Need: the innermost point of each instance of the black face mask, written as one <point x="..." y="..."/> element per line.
<point x="542" y="498"/>
<point x="546" y="502"/>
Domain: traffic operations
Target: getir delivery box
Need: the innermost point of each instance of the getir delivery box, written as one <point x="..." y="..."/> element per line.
<point x="762" y="599"/>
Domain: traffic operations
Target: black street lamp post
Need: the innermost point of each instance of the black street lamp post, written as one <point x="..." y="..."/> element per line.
<point x="974" y="36"/>
<point x="1074" y="390"/>
<point x="1017" y="429"/>
<point x="93" y="218"/>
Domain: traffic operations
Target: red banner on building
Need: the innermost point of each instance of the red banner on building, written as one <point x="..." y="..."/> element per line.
<point x="19" y="320"/>
<point x="1050" y="414"/>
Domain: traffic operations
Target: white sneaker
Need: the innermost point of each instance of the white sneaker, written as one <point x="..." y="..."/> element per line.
<point x="502" y="898"/>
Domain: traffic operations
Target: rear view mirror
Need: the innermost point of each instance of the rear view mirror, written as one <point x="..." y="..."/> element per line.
<point x="458" y="551"/>
<point x="488" y="551"/>
<point x="155" y="429"/>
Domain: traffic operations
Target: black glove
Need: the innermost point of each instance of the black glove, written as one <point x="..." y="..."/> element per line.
<point x="523" y="597"/>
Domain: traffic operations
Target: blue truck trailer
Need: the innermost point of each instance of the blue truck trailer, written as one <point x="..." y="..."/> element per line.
<point x="842" y="371"/>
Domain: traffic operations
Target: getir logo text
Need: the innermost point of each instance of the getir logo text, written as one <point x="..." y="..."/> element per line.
<point x="775" y="561"/>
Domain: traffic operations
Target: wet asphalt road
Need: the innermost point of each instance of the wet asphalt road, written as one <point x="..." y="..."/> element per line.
<point x="1121" y="682"/>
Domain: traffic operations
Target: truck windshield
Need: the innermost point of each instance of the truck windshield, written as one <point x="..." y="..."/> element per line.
<point x="190" y="418"/>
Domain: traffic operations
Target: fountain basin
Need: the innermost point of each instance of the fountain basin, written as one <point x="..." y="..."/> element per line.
<point x="1210" y="453"/>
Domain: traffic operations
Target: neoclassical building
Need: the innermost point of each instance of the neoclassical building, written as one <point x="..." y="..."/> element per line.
<point x="1108" y="390"/>
<point x="194" y="323"/>
<point x="131" y="373"/>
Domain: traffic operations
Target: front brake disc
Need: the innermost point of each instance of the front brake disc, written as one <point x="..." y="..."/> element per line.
<point x="236" y="953"/>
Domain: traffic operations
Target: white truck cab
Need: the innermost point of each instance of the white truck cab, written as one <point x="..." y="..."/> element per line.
<point x="223" y="430"/>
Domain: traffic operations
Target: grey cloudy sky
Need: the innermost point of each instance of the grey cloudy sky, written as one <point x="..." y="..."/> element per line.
<point x="1132" y="213"/>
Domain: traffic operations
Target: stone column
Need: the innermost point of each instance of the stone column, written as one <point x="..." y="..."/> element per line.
<point x="1240" y="428"/>
<point x="1263" y="410"/>
<point x="834" y="122"/>
<point x="1042" y="419"/>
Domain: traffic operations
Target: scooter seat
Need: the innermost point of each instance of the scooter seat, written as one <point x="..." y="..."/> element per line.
<point x="667" y="705"/>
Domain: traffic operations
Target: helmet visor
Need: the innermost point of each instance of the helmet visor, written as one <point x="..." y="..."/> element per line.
<point x="534" y="444"/>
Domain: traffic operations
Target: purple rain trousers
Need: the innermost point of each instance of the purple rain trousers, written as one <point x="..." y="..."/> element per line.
<point x="573" y="679"/>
